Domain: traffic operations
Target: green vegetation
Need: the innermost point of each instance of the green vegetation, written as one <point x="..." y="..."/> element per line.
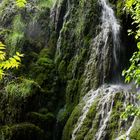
<point x="135" y="132"/>
<point x="130" y="111"/>
<point x="21" y="3"/>
<point x="40" y="100"/>
<point x="10" y="63"/>
<point x="23" y="131"/>
<point x="16" y="36"/>
<point x="133" y="73"/>
<point x="71" y="123"/>
<point x="22" y="88"/>
<point x="45" y="3"/>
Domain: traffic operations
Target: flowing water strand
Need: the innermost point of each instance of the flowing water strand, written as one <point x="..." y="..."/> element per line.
<point x="88" y="99"/>
<point x="105" y="112"/>
<point x="106" y="93"/>
<point x="110" y="23"/>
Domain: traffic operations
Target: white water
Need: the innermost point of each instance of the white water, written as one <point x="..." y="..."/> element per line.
<point x="110" y="24"/>
<point x="101" y="47"/>
<point x="88" y="100"/>
<point x="108" y="101"/>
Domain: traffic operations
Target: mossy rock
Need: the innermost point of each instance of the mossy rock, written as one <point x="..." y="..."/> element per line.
<point x="22" y="88"/>
<point x="43" y="111"/>
<point x="46" y="53"/>
<point x="84" y="132"/>
<point x="135" y="131"/>
<point x="20" y="96"/>
<point x="46" y="62"/>
<point x="71" y="92"/>
<point x="62" y="69"/>
<point x="23" y="131"/>
<point x="44" y="121"/>
<point x="67" y="131"/>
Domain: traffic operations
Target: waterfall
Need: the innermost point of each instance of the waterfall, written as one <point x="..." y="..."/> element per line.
<point x="109" y="27"/>
<point x="109" y="31"/>
<point x="110" y="24"/>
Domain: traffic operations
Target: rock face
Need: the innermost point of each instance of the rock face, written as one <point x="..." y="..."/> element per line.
<point x="73" y="52"/>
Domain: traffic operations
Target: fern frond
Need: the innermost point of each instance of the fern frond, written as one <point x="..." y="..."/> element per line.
<point x="12" y="62"/>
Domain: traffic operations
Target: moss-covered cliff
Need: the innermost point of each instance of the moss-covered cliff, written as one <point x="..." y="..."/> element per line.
<point x="44" y="98"/>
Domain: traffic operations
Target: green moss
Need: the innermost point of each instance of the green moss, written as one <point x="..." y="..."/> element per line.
<point x="46" y="3"/>
<point x="71" y="123"/>
<point x="22" y="88"/>
<point x="120" y="7"/>
<point x="44" y="121"/>
<point x="84" y="132"/>
<point x="16" y="37"/>
<point x="62" y="69"/>
<point x="43" y="69"/>
<point x="71" y="92"/>
<point x="135" y="131"/>
<point x="24" y="131"/>
<point x="43" y="110"/>
<point x="114" y="126"/>
<point x="90" y="123"/>
<point x="44" y="61"/>
<point x="20" y="96"/>
<point x="46" y="53"/>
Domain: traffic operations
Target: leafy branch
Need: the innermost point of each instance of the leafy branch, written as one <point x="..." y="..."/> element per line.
<point x="10" y="63"/>
<point x="133" y="72"/>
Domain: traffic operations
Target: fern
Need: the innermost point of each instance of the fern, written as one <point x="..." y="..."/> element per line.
<point x="10" y="63"/>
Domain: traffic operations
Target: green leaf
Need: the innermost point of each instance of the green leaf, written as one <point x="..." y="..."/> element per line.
<point x="138" y="45"/>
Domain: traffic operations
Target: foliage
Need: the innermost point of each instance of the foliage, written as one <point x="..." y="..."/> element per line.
<point x="10" y="63"/>
<point x="130" y="111"/>
<point x="22" y="131"/>
<point x="134" y="70"/>
<point x="22" y="88"/>
<point x="16" y="36"/>
<point x="133" y="73"/>
<point x="21" y="3"/>
<point x="45" y="3"/>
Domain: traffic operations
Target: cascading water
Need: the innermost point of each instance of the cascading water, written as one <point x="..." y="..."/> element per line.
<point x="106" y="95"/>
<point x="109" y="30"/>
<point x="110" y="24"/>
<point x="109" y="27"/>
